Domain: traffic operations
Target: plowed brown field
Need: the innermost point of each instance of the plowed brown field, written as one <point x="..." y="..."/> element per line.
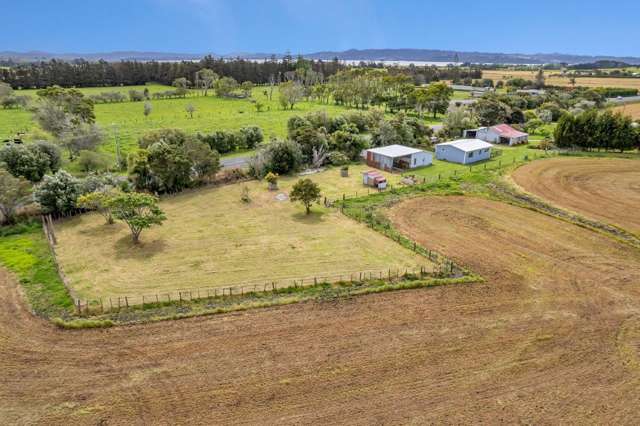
<point x="601" y="188"/>
<point x="551" y="337"/>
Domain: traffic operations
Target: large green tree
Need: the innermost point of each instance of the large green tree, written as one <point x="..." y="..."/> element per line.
<point x="139" y="211"/>
<point x="307" y="192"/>
<point x="13" y="193"/>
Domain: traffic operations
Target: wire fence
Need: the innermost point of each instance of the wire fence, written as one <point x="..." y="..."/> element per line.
<point x="178" y="296"/>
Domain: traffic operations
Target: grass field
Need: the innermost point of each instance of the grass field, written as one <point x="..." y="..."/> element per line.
<point x="211" y="114"/>
<point x="556" y="80"/>
<point x="632" y="110"/>
<point x="213" y="239"/>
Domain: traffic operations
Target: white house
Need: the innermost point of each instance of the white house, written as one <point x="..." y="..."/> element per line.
<point x="464" y="151"/>
<point x="397" y="157"/>
<point x="502" y="133"/>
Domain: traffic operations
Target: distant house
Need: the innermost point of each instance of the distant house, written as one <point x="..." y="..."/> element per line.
<point x="464" y="151"/>
<point x="397" y="157"/>
<point x="462" y="102"/>
<point x="502" y="133"/>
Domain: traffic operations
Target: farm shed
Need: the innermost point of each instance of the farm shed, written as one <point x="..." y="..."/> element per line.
<point x="502" y="133"/>
<point x="397" y="157"/>
<point x="374" y="178"/>
<point x="464" y="151"/>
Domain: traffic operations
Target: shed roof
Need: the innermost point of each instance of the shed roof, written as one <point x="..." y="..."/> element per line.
<point x="508" y="131"/>
<point x="467" y="145"/>
<point x="394" y="151"/>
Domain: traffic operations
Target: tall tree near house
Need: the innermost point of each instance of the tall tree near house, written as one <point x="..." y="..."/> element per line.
<point x="307" y="192"/>
<point x="13" y="193"/>
<point x="139" y="211"/>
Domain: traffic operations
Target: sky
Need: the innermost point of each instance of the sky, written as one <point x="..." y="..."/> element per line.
<point x="307" y="26"/>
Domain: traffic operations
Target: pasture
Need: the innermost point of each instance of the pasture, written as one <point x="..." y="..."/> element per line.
<point x="599" y="188"/>
<point x="213" y="239"/>
<point x="554" y="79"/>
<point x="127" y="119"/>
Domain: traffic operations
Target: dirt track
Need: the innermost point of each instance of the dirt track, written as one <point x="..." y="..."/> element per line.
<point x="604" y="189"/>
<point x="552" y="336"/>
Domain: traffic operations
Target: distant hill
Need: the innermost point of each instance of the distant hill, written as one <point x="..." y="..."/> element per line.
<point x="417" y="55"/>
<point x="601" y="65"/>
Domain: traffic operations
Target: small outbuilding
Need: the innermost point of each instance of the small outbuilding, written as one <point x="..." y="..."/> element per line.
<point x="464" y="151"/>
<point x="397" y="157"/>
<point x="374" y="178"/>
<point x="502" y="133"/>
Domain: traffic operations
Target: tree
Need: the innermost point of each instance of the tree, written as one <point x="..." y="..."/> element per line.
<point x="307" y="192"/>
<point x="85" y="137"/>
<point x="491" y="111"/>
<point x="436" y="97"/>
<point x="139" y="211"/>
<point x="98" y="201"/>
<point x="32" y="161"/>
<point x="91" y="161"/>
<point x="205" y="79"/>
<point x="5" y="90"/>
<point x="225" y="86"/>
<point x="147" y="108"/>
<point x="58" y="193"/>
<point x="205" y="162"/>
<point x="13" y="193"/>
<point x="170" y="166"/>
<point x="540" y="79"/>
<point x="251" y="137"/>
<point x="290" y="93"/>
<point x="190" y="108"/>
<point x="247" y="88"/>
<point x="458" y="120"/>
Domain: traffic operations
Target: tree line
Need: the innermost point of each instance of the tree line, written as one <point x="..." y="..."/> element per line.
<point x="601" y="131"/>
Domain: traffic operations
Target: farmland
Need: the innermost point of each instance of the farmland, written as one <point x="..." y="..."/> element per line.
<point x="211" y="114"/>
<point x="213" y="239"/>
<point x="553" y="79"/>
<point x="549" y="337"/>
<point x="632" y="110"/>
<point x="604" y="189"/>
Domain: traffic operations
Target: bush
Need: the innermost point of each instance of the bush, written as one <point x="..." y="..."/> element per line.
<point x="279" y="156"/>
<point x="338" y="158"/>
<point x="58" y="193"/>
<point x="251" y="136"/>
<point x="31" y="162"/>
<point x="91" y="161"/>
<point x="221" y="141"/>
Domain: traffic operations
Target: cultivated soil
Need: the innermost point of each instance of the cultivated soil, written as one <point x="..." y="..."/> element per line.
<point x="600" y="188"/>
<point x="554" y="79"/>
<point x="552" y="336"/>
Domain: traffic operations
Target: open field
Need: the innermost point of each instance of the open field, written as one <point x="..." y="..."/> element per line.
<point x="211" y="114"/>
<point x="605" y="189"/>
<point x="556" y="80"/>
<point x="632" y="110"/>
<point x="213" y="239"/>
<point x="551" y="337"/>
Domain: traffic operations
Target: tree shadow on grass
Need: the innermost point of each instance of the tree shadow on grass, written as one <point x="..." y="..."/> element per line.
<point x="145" y="249"/>
<point x="310" y="219"/>
<point x="101" y="229"/>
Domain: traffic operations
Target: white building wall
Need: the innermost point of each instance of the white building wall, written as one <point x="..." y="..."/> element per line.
<point x="421" y="159"/>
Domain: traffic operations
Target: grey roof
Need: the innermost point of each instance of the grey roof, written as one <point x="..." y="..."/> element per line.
<point x="394" y="151"/>
<point x="467" y="145"/>
<point x="466" y="88"/>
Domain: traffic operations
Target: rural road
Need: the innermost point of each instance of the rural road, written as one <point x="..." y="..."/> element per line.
<point x="234" y="163"/>
<point x="624" y="100"/>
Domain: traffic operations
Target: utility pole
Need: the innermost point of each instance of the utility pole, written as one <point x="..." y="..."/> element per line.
<point x="116" y="139"/>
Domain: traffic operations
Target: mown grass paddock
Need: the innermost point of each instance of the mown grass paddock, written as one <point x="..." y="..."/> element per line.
<point x="213" y="239"/>
<point x="632" y="110"/>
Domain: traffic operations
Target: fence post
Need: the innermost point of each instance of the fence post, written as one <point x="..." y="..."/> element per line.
<point x="126" y="301"/>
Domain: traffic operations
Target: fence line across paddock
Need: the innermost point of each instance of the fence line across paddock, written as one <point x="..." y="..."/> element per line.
<point x="114" y="303"/>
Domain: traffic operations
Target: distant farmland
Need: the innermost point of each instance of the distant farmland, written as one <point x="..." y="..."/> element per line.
<point x="555" y="80"/>
<point x="632" y="110"/>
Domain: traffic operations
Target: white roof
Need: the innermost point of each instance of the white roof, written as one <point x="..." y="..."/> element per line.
<point x="394" y="151"/>
<point x="467" y="145"/>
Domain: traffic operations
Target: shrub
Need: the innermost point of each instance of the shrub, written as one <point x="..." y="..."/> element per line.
<point x="251" y="136"/>
<point x="338" y="158"/>
<point x="58" y="193"/>
<point x="279" y="156"/>
<point x="307" y="192"/>
<point x="31" y="162"/>
<point x="90" y="161"/>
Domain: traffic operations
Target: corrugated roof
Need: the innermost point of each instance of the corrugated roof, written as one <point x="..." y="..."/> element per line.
<point x="508" y="131"/>
<point x="467" y="145"/>
<point x="395" y="151"/>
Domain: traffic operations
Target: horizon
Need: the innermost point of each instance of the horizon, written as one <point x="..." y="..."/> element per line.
<point x="224" y="27"/>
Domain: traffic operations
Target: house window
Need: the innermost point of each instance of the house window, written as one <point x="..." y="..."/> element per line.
<point x="471" y="154"/>
<point x="414" y="161"/>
